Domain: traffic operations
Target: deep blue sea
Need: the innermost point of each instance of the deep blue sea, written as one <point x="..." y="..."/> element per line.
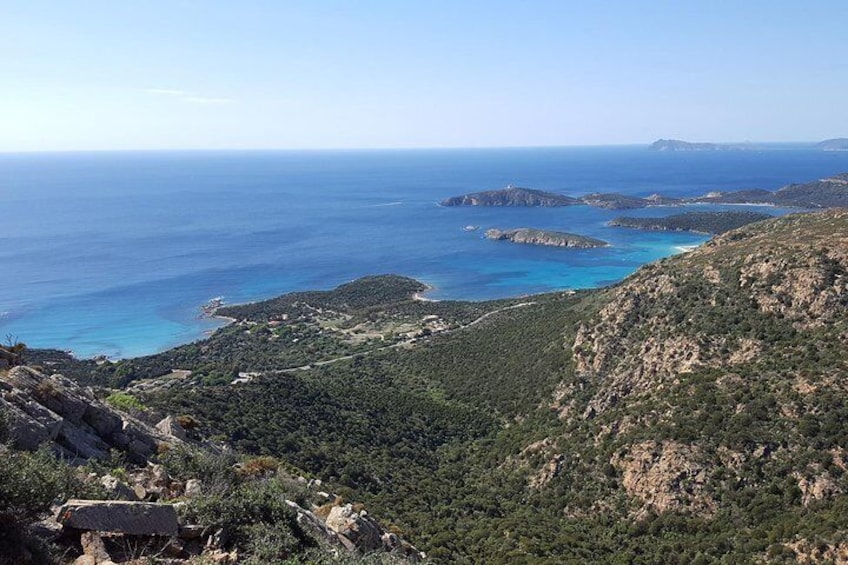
<point x="114" y="253"/>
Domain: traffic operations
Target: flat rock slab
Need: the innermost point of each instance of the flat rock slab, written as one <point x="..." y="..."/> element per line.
<point x="133" y="518"/>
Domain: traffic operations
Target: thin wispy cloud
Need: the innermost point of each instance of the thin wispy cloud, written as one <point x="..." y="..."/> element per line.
<point x="205" y="100"/>
<point x="185" y="96"/>
<point x="165" y="92"/>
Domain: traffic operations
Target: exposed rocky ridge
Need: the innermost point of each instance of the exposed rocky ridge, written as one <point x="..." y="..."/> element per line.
<point x="545" y="237"/>
<point x="676" y="350"/>
<point x="51" y="409"/>
<point x="638" y="339"/>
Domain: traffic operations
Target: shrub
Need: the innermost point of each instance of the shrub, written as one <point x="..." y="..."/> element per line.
<point x="216" y="471"/>
<point x="259" y="466"/>
<point x="126" y="402"/>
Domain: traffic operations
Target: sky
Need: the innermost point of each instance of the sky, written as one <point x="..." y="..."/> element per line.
<point x="251" y="74"/>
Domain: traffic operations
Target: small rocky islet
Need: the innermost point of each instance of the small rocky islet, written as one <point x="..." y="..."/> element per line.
<point x="545" y="237"/>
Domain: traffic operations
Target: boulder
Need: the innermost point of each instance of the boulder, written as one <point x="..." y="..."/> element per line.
<point x="117" y="489"/>
<point x="358" y="527"/>
<point x="93" y="546"/>
<point x="312" y="523"/>
<point x="193" y="488"/>
<point x="30" y="424"/>
<point x="170" y="427"/>
<point x="132" y="518"/>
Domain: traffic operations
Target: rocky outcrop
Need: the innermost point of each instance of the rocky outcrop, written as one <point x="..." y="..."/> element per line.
<point x="545" y="237"/>
<point x="640" y="338"/>
<point x="353" y="530"/>
<point x="664" y="476"/>
<point x="512" y="196"/>
<point x="358" y="527"/>
<point x="53" y="410"/>
<point x="131" y="518"/>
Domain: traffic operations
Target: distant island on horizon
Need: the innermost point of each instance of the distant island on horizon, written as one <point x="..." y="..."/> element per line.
<point x="679" y="145"/>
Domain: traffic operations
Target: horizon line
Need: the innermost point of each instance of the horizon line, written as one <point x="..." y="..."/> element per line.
<point x="383" y="148"/>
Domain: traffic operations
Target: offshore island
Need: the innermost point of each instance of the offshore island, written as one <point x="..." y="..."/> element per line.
<point x="829" y="192"/>
<point x="545" y="237"/>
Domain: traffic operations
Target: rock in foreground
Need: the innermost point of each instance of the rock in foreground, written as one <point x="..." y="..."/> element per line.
<point x="133" y="518"/>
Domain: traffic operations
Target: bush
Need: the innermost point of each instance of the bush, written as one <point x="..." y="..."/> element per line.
<point x="216" y="471"/>
<point x="31" y="482"/>
<point x="256" y="515"/>
<point x="125" y="402"/>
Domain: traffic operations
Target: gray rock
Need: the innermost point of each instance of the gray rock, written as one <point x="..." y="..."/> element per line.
<point x="30" y="424"/>
<point x="55" y="393"/>
<point x="193" y="488"/>
<point x="102" y="420"/>
<point x="133" y="518"/>
<point x="312" y="523"/>
<point x="82" y="442"/>
<point x="117" y="489"/>
<point x="170" y="427"/>
<point x="358" y="527"/>
<point x="92" y="544"/>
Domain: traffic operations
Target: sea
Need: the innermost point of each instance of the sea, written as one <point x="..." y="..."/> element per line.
<point x="115" y="253"/>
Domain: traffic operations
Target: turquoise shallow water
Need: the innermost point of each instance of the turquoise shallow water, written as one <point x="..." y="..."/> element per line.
<point x="113" y="253"/>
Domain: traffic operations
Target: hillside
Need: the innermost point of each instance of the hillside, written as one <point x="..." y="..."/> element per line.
<point x="693" y="413"/>
<point x="698" y="222"/>
<point x="831" y="192"/>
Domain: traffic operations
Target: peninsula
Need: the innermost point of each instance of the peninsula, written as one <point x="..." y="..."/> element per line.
<point x="709" y="223"/>
<point x="838" y="144"/>
<point x="546" y="237"/>
<point x="830" y="192"/>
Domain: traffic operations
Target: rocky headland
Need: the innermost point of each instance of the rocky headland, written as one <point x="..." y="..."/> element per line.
<point x="837" y="144"/>
<point x="545" y="237"/>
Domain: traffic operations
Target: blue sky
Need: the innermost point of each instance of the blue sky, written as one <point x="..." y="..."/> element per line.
<point x="105" y="74"/>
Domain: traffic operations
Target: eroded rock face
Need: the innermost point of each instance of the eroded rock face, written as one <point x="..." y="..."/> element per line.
<point x="132" y="518"/>
<point x="54" y="410"/>
<point x="664" y="476"/>
<point x="665" y="322"/>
